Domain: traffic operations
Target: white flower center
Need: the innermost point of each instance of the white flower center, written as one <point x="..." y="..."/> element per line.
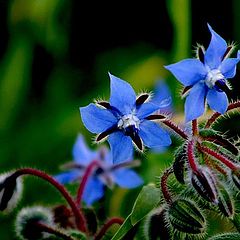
<point x="213" y="76"/>
<point x="128" y="120"/>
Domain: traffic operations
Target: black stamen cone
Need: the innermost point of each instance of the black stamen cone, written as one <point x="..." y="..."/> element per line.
<point x="132" y="131"/>
<point x="221" y="86"/>
<point x="186" y="90"/>
<point x="200" y="53"/>
<point x="142" y="99"/>
<point x="106" y="133"/>
<point x="104" y="104"/>
<point x="229" y="48"/>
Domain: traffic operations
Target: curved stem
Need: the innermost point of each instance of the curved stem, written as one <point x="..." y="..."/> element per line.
<point x="213" y="164"/>
<point x="214" y="117"/>
<point x="88" y="172"/>
<point x="79" y="217"/>
<point x="190" y="154"/>
<point x="175" y="128"/>
<point x="219" y="157"/>
<point x="166" y="194"/>
<point x="107" y="225"/>
<point x="45" y="228"/>
<point x="194" y="127"/>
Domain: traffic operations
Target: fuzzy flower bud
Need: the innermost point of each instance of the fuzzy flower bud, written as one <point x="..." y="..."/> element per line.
<point x="10" y="191"/>
<point x="155" y="226"/>
<point x="225" y="202"/>
<point x="236" y="178"/>
<point x="179" y="164"/>
<point x="186" y="217"/>
<point x="27" y="220"/>
<point x="205" y="184"/>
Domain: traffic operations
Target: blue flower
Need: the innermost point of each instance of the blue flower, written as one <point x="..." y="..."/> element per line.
<point x="206" y="76"/>
<point x="106" y="174"/>
<point x="125" y="119"/>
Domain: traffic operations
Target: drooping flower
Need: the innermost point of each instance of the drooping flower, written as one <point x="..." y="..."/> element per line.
<point x="105" y="174"/>
<point x="125" y="119"/>
<point x="162" y="96"/>
<point x="206" y="76"/>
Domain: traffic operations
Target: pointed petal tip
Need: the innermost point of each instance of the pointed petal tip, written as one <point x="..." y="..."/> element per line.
<point x="238" y="54"/>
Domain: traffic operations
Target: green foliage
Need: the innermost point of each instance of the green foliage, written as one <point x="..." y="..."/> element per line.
<point x="147" y="199"/>
<point x="185" y="216"/>
<point x="226" y="236"/>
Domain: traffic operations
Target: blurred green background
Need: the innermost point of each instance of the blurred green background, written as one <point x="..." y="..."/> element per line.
<point x="54" y="58"/>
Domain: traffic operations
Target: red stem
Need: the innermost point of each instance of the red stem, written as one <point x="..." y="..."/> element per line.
<point x="79" y="217"/>
<point x="190" y="154"/>
<point x="88" y="172"/>
<point x="213" y="118"/>
<point x="175" y="128"/>
<point x="164" y="187"/>
<point x="107" y="225"/>
<point x="44" y="228"/>
<point x="219" y="157"/>
<point x="194" y="127"/>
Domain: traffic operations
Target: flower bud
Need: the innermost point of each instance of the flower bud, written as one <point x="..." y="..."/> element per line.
<point x="179" y="164"/>
<point x="27" y="219"/>
<point x="225" y="202"/>
<point x="10" y="191"/>
<point x="226" y="236"/>
<point x="205" y="184"/>
<point x="155" y="225"/>
<point x="186" y="217"/>
<point x="236" y="178"/>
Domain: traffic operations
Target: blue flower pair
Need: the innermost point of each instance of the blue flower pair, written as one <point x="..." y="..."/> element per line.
<point x="206" y="76"/>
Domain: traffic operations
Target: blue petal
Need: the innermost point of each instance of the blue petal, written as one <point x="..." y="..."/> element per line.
<point x="195" y="102"/>
<point x="122" y="96"/>
<point x="121" y="147"/>
<point x="146" y="109"/>
<point x="228" y="67"/>
<point x="67" y="177"/>
<point x="188" y="71"/>
<point x="93" y="191"/>
<point x="217" y="101"/>
<point x="81" y="153"/>
<point x="95" y="119"/>
<point x="162" y="96"/>
<point x="127" y="178"/>
<point x="153" y="135"/>
<point x="215" y="51"/>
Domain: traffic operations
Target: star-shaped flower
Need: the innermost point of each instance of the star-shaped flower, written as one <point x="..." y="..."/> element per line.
<point x="206" y="76"/>
<point x="105" y="174"/>
<point x="125" y="119"/>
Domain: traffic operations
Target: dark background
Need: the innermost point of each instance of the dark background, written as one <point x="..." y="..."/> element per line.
<point x="54" y="58"/>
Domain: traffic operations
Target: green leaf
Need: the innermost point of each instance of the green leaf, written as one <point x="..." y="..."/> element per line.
<point x="147" y="199"/>
<point x="226" y="236"/>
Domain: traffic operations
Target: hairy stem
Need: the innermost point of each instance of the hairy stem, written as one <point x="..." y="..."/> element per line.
<point x="190" y="154"/>
<point x="79" y="217"/>
<point x="45" y="228"/>
<point x="219" y="157"/>
<point x="107" y="225"/>
<point x="164" y="188"/>
<point x="87" y="174"/>
<point x="175" y="128"/>
<point x="194" y="127"/>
